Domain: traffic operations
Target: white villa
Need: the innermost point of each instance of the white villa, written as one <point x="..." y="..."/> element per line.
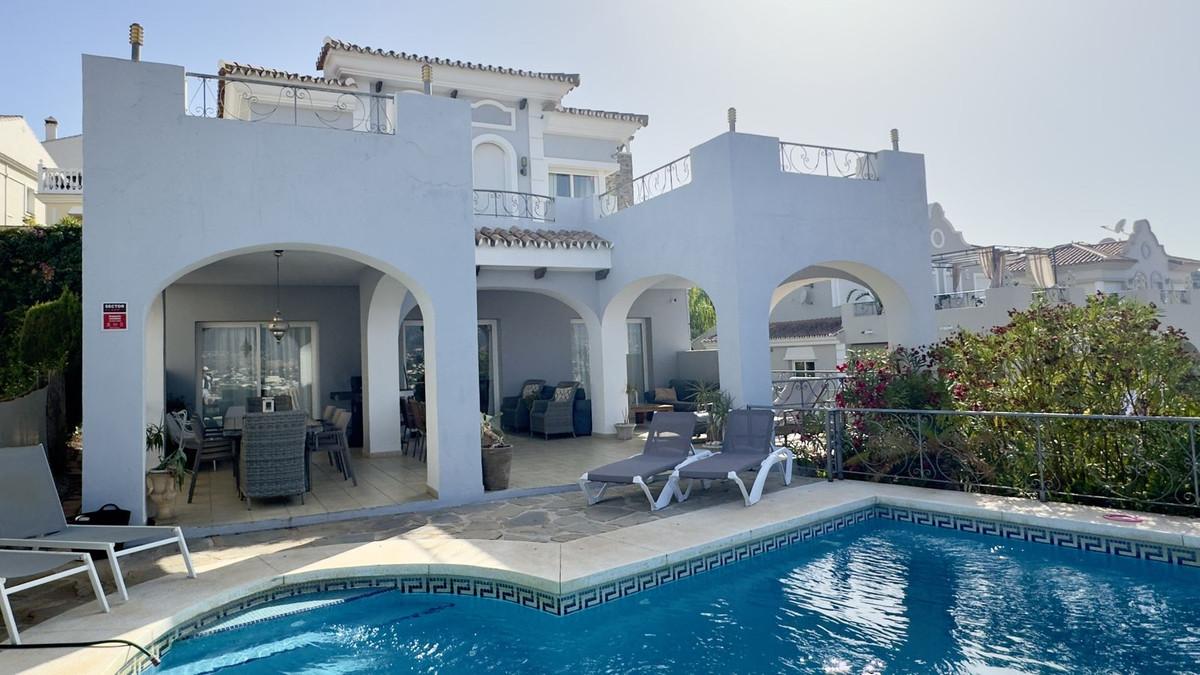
<point x="42" y="179"/>
<point x="446" y="227"/>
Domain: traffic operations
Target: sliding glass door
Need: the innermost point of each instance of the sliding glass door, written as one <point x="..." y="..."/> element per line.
<point x="412" y="356"/>
<point x="239" y="360"/>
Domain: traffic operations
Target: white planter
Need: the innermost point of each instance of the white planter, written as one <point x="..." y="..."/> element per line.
<point x="624" y="430"/>
<point x="163" y="491"/>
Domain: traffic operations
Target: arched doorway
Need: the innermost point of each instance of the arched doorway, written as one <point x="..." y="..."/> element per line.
<point x="493" y="162"/>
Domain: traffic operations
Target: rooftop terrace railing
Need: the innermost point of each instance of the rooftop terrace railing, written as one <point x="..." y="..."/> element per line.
<point x="508" y="204"/>
<point x="646" y="186"/>
<point x="60" y="181"/>
<point x="291" y="103"/>
<point x="960" y="299"/>
<point x="1130" y="461"/>
<point x="821" y="160"/>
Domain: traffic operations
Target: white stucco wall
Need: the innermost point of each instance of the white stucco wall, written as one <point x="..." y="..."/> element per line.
<point x="169" y="193"/>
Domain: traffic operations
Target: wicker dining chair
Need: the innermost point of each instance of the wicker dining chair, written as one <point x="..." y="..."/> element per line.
<point x="207" y="445"/>
<point x="272" y="460"/>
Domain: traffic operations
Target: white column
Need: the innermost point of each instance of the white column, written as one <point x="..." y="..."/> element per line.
<point x="608" y="345"/>
<point x="453" y="468"/>
<point x="744" y="346"/>
<point x="382" y="298"/>
<point x="539" y="169"/>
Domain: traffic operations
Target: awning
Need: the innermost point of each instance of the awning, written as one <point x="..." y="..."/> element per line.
<point x="800" y="354"/>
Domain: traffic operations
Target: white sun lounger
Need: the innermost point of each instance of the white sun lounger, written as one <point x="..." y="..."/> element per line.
<point x="668" y="446"/>
<point x="31" y="517"/>
<point x="749" y="443"/>
<point x="16" y="564"/>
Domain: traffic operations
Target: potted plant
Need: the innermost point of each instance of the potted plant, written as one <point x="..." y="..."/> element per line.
<point x="717" y="403"/>
<point x="496" y="454"/>
<point x="625" y="428"/>
<point x="164" y="481"/>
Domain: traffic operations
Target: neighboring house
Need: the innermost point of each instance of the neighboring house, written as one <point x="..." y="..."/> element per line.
<point x="446" y="226"/>
<point x="975" y="287"/>
<point x="35" y="188"/>
<point x="20" y="156"/>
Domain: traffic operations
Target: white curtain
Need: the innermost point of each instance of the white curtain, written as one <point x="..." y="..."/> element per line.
<point x="1042" y="270"/>
<point x="992" y="260"/>
<point x="580" y="357"/>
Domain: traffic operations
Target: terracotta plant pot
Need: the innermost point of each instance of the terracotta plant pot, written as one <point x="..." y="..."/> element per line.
<point x="624" y="430"/>
<point x="497" y="462"/>
<point x="162" y="490"/>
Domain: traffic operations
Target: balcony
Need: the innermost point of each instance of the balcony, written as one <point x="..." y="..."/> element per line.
<point x="646" y="186"/>
<point x="508" y="204"/>
<point x="819" y="160"/>
<point x="60" y="181"/>
<point x="1176" y="297"/>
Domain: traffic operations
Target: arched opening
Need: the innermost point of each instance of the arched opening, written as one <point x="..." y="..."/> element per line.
<point x="494" y="163"/>
<point x="215" y="351"/>
<point x="823" y="315"/>
<point x="660" y="352"/>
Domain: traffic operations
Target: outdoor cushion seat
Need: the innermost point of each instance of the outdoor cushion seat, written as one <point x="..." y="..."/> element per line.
<point x="514" y="410"/>
<point x="749" y="443"/>
<point x="555" y="415"/>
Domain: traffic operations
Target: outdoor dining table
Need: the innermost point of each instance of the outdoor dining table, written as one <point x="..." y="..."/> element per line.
<point x="232" y="429"/>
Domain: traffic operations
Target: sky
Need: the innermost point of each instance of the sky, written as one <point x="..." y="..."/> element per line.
<point x="1039" y="121"/>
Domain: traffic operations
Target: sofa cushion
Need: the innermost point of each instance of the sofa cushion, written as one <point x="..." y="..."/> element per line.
<point x="665" y="395"/>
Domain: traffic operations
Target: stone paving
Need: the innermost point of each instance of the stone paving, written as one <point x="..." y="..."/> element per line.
<point x="558" y="517"/>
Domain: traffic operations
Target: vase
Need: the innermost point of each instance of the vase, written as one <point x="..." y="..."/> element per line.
<point x="162" y="490"/>
<point x="497" y="462"/>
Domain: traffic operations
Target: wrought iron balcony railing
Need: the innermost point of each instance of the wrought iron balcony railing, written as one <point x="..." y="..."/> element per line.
<point x="304" y="105"/>
<point x="60" y="181"/>
<point x="1053" y="295"/>
<point x="647" y="186"/>
<point x="507" y="204"/>
<point x="826" y="161"/>
<point x="867" y="308"/>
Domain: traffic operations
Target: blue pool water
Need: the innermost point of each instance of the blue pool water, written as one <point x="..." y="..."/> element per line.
<point x="879" y="597"/>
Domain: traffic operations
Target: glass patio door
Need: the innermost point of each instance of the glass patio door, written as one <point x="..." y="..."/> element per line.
<point x="636" y="370"/>
<point x="412" y="344"/>
<point x="239" y="361"/>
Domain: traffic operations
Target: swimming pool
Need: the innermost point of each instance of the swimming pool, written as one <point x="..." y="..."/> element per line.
<point x="876" y="597"/>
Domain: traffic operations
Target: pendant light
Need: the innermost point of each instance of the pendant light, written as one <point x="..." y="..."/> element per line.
<point x="277" y="326"/>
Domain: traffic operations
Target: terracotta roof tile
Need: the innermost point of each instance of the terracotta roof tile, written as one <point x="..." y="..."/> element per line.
<point x="516" y="237"/>
<point x="643" y="120"/>
<point x="1078" y="253"/>
<point x="805" y="328"/>
<point x="339" y="45"/>
<point x="251" y="71"/>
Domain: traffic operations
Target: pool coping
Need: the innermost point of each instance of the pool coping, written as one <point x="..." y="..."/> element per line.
<point x="591" y="570"/>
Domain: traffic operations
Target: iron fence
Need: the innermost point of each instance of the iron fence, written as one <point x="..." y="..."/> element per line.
<point x="508" y="204"/>
<point x="1132" y="461"/>
<point x="827" y="161"/>
<point x="646" y="186"/>
<point x="292" y="103"/>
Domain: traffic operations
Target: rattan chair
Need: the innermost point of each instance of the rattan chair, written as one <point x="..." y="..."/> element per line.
<point x="514" y="410"/>
<point x="272" y="460"/>
<point x="208" y="445"/>
<point x="555" y="415"/>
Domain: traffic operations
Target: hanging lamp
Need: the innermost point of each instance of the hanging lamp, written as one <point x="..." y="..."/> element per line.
<point x="277" y="326"/>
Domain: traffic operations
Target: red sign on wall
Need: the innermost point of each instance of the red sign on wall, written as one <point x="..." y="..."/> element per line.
<point x="115" y="316"/>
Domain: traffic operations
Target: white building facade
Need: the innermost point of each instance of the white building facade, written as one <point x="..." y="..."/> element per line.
<point x="451" y="223"/>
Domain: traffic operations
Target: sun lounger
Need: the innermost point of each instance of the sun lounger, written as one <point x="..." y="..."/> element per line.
<point x="749" y="443"/>
<point x="31" y="516"/>
<point x="18" y="564"/>
<point x="668" y="446"/>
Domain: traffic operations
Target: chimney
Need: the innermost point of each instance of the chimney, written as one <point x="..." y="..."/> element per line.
<point x="51" y="128"/>
<point x="621" y="180"/>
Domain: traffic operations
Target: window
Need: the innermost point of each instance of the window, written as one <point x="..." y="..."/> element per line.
<point x="804" y="368"/>
<point x="412" y="359"/>
<point x="30" y="197"/>
<point x="572" y="185"/>
<point x="242" y="360"/>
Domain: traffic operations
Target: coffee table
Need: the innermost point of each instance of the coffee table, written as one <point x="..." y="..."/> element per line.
<point x="642" y="414"/>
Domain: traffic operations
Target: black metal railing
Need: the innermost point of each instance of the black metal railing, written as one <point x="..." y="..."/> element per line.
<point x="1132" y="461"/>
<point x="960" y="299"/>
<point x="292" y="103"/>
<point x="827" y="161"/>
<point x="508" y="204"/>
<point x="647" y="186"/>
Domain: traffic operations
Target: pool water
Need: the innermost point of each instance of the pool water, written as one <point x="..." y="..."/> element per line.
<point x="880" y="597"/>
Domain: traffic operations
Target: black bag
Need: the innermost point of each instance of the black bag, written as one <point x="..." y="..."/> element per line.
<point x="109" y="514"/>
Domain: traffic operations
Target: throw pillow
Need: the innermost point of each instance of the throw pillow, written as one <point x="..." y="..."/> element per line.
<point x="665" y="395"/>
<point x="564" y="394"/>
<point x="531" y="390"/>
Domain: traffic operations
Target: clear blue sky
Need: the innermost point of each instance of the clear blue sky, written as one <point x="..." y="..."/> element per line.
<point x="1040" y="121"/>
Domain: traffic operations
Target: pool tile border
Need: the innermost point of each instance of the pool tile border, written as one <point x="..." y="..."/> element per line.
<point x="577" y="601"/>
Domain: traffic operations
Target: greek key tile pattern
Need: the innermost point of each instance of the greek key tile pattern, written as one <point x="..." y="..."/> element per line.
<point x="1175" y="555"/>
<point x="590" y="597"/>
